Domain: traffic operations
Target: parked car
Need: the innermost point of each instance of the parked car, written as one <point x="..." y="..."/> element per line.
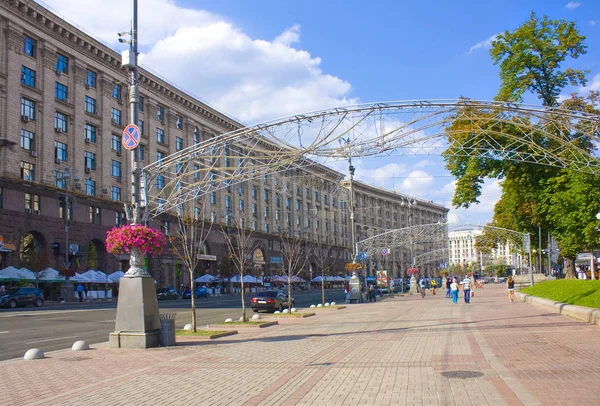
<point x="271" y="300"/>
<point x="198" y="293"/>
<point x="166" y="294"/>
<point x="22" y="297"/>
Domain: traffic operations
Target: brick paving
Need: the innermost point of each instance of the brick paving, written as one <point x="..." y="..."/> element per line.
<point x="404" y="350"/>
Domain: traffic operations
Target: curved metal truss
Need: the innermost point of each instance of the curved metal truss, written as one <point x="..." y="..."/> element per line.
<point x="537" y="135"/>
<point x="435" y="256"/>
<point x="431" y="236"/>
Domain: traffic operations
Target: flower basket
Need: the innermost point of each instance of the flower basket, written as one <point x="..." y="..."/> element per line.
<point x="353" y="267"/>
<point x="134" y="237"/>
<point x="412" y="271"/>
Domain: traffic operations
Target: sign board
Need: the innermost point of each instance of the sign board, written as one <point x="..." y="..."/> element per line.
<point x="73" y="248"/>
<point x="276" y="260"/>
<point x="6" y="246"/>
<point x="385" y="251"/>
<point x="258" y="257"/>
<point x="203" y="257"/>
<point x="131" y="137"/>
<point x="362" y="256"/>
<point x="382" y="279"/>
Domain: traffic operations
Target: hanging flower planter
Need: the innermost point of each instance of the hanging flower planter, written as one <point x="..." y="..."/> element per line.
<point x="353" y="267"/>
<point x="412" y="271"/>
<point x="138" y="241"/>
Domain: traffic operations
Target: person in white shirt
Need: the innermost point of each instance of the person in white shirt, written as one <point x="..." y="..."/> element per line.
<point x="454" y="291"/>
<point x="466" y="284"/>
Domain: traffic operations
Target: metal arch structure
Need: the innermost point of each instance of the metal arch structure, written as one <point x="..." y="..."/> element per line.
<point x="437" y="255"/>
<point x="538" y="135"/>
<point x="435" y="235"/>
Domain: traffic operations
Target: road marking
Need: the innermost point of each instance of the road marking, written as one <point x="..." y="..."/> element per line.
<point x="4" y="332"/>
<point x="43" y="313"/>
<point x="51" y="339"/>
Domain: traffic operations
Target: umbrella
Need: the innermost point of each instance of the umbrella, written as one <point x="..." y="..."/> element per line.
<point x="51" y="275"/>
<point x="115" y="276"/>
<point x="205" y="279"/>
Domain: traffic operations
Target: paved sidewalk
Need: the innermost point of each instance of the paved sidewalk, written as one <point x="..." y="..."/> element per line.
<point x="404" y="350"/>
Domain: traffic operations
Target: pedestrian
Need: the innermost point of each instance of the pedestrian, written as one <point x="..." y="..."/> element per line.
<point x="347" y="292"/>
<point x="372" y="293"/>
<point x="466" y="284"/>
<point x="510" y="283"/>
<point x="454" y="291"/>
<point x="448" y="283"/>
<point x="2" y="290"/>
<point x="80" y="289"/>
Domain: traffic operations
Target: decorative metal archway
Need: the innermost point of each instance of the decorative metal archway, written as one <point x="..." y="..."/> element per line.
<point x="531" y="134"/>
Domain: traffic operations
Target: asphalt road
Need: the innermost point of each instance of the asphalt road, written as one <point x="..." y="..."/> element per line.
<point x="58" y="326"/>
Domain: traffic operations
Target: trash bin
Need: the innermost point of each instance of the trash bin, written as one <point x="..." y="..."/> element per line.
<point x="355" y="289"/>
<point x="167" y="329"/>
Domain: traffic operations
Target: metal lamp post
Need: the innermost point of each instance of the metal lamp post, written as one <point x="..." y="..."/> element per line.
<point x="137" y="323"/>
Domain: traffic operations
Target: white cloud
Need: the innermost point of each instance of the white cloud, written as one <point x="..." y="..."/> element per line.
<point x="592" y="22"/>
<point x="572" y="5"/>
<point x="485" y="44"/>
<point x="593" y="85"/>
<point x="250" y="79"/>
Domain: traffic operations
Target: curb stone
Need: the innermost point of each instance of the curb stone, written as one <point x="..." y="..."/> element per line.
<point x="587" y="314"/>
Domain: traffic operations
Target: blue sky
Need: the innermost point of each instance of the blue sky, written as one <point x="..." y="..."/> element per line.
<point x="263" y="59"/>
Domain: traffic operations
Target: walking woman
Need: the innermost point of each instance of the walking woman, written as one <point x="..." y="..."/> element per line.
<point x="454" y="291"/>
<point x="511" y="289"/>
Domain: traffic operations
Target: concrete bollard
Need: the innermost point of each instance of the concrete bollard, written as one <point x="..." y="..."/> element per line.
<point x="188" y="327"/>
<point x="294" y="310"/>
<point x="80" y="346"/>
<point x="285" y="311"/>
<point x="229" y="320"/>
<point x="333" y="303"/>
<point x="312" y="306"/>
<point x="34" y="353"/>
<point x="256" y="317"/>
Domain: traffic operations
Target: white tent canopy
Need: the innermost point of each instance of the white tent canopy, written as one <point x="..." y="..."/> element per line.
<point x="80" y="278"/>
<point x="115" y="276"/>
<point x="247" y="279"/>
<point x="95" y="276"/>
<point x="50" y="275"/>
<point x="205" y="279"/>
<point x="12" y="273"/>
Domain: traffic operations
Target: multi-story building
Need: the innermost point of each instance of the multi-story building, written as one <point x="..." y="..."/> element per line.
<point x="64" y="175"/>
<point x="463" y="251"/>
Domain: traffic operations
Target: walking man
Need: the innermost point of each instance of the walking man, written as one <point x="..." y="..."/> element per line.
<point x="466" y="284"/>
<point x="80" y="289"/>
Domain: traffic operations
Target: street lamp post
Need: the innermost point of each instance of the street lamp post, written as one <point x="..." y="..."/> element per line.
<point x="137" y="323"/>
<point x="64" y="176"/>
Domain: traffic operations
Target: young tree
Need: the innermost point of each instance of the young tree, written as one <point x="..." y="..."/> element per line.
<point x="191" y="234"/>
<point x="295" y="257"/>
<point x="31" y="258"/>
<point x="238" y="240"/>
<point x="320" y="252"/>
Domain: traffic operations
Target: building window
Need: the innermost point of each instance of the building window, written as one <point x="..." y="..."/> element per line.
<point x="241" y="202"/>
<point x="254" y="209"/>
<point x="61" y="92"/>
<point x="28" y="76"/>
<point x="254" y="225"/>
<point x="277" y="214"/>
<point x="178" y="143"/>
<point x="90" y="133"/>
<point x="179" y="122"/>
<point x="196" y="172"/>
<point x="298" y="205"/>
<point x="119" y="219"/>
<point x="228" y="202"/>
<point x="90" y="187"/>
<point x="115" y="169"/>
<point x="160" y="113"/>
<point x="160" y="182"/>
<point x="141" y="126"/>
<point x="196" y="213"/>
<point x="266" y="212"/>
<point x="213" y="197"/>
<point x="27" y="108"/>
<point x="116" y="91"/>
<point x="62" y="64"/>
<point x="60" y="151"/>
<point x="27" y="171"/>
<point x="196" y="135"/>
<point x="90" y="160"/>
<point x="115" y="116"/>
<point x="141" y="103"/>
<point x="90" y="105"/>
<point x="116" y="193"/>
<point x="240" y="188"/>
<point x="266" y="227"/>
<point x="95" y="215"/>
<point x="160" y="135"/>
<point x="32" y="203"/>
<point x="91" y="79"/>
<point x="1" y="197"/>
<point x="30" y="46"/>
<point x="60" y="122"/>
<point x="27" y="140"/>
<point x="266" y="195"/>
<point x="141" y="150"/>
<point x="307" y="193"/>
<point x="159" y="156"/>
<point x="60" y="181"/>
<point x="288" y="203"/>
<point x="316" y="196"/>
<point x="115" y="143"/>
<point x="254" y="192"/>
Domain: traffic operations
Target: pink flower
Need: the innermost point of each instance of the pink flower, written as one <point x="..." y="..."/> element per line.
<point x="142" y="238"/>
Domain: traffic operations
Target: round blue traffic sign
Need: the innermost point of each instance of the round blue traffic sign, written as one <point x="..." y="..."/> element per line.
<point x="131" y="136"/>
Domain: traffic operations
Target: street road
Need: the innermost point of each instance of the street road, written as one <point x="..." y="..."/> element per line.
<point x="58" y="326"/>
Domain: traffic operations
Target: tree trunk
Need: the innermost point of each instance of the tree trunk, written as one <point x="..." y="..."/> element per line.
<point x="289" y="291"/>
<point x="570" y="268"/>
<point x="323" y="289"/>
<point x="243" y="301"/>
<point x="193" y="296"/>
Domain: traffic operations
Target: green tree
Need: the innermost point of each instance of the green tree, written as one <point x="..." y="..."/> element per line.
<point x="531" y="59"/>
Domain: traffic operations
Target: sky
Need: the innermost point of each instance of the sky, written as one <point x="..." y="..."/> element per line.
<point x="257" y="60"/>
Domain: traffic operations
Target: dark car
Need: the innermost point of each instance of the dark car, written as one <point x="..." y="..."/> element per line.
<point x="271" y="300"/>
<point x="198" y="292"/>
<point x="166" y="294"/>
<point x="22" y="297"/>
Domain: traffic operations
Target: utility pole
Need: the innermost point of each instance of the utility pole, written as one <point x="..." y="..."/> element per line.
<point x="540" y="249"/>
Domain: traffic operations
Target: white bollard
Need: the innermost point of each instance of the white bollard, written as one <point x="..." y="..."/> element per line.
<point x="34" y="353"/>
<point x="256" y="317"/>
<point x="333" y="303"/>
<point x="312" y="306"/>
<point x="80" y="346"/>
<point x="294" y="310"/>
<point x="229" y="320"/>
<point x="188" y="327"/>
<point x="285" y="311"/>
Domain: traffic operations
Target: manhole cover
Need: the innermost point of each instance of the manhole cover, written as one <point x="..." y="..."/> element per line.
<point x="462" y="374"/>
<point x="75" y="359"/>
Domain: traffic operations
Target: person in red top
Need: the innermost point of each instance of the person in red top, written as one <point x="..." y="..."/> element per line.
<point x="347" y="292"/>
